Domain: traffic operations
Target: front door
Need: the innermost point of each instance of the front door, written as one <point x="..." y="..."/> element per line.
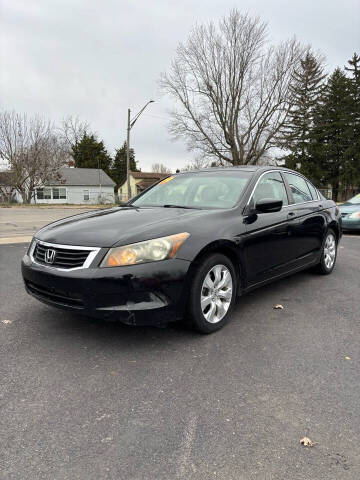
<point x="268" y="244"/>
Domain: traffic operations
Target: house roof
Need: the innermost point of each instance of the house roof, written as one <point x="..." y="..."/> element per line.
<point x="83" y="176"/>
<point x="151" y="175"/>
<point x="147" y="182"/>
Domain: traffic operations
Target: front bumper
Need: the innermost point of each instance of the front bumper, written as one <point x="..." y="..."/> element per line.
<point x="147" y="294"/>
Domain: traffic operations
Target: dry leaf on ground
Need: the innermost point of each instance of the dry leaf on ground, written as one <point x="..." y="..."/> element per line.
<point x="278" y="307"/>
<point x="347" y="358"/>
<point x="307" y="442"/>
<point x="6" y="321"/>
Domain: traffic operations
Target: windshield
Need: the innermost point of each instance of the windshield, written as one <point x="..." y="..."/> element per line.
<point x="197" y="190"/>
<point x="355" y="200"/>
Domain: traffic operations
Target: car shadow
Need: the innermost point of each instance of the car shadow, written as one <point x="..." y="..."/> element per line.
<point x="109" y="332"/>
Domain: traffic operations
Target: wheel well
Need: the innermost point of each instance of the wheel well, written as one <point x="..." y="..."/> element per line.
<point x="335" y="227"/>
<point x="224" y="249"/>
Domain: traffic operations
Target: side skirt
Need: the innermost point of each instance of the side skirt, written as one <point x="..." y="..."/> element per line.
<point x="278" y="277"/>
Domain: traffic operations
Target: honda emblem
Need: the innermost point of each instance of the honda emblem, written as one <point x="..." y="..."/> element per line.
<point x="50" y="256"/>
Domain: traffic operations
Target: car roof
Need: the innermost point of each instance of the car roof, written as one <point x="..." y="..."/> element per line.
<point x="248" y="168"/>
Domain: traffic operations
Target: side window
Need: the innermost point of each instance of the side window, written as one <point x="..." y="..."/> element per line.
<point x="299" y="189"/>
<point x="86" y="195"/>
<point x="272" y="186"/>
<point x="313" y="191"/>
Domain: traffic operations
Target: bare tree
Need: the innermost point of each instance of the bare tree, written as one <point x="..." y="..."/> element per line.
<point x="231" y="88"/>
<point x="197" y="164"/>
<point x="72" y="129"/>
<point x="32" y="151"/>
<point x="160" y="168"/>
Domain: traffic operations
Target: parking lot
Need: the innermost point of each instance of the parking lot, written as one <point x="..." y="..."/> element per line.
<point x="88" y="399"/>
<point x="20" y="223"/>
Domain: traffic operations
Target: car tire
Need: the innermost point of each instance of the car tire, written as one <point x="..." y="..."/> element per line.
<point x="328" y="253"/>
<point x="212" y="294"/>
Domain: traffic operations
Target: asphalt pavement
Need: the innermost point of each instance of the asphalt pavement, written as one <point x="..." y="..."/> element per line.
<point x="20" y="223"/>
<point x="87" y="399"/>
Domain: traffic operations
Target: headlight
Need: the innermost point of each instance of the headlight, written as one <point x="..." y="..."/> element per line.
<point x="354" y="215"/>
<point x="143" y="252"/>
<point x="31" y="246"/>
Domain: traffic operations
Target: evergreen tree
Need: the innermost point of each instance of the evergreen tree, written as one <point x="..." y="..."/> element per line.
<point x="332" y="135"/>
<point x="354" y="153"/>
<point x="118" y="169"/>
<point x="91" y="153"/>
<point x="354" y="68"/>
<point x="306" y="89"/>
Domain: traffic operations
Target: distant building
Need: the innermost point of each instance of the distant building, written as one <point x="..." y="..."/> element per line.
<point x="78" y="186"/>
<point x="139" y="181"/>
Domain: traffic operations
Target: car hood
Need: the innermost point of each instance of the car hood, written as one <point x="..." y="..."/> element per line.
<point x="349" y="208"/>
<point x="116" y="226"/>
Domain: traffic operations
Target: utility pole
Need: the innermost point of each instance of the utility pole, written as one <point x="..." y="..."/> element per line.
<point x="128" y="158"/>
<point x="100" y="192"/>
<point x="130" y="124"/>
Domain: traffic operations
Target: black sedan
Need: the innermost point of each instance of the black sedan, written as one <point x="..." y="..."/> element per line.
<point x="185" y="248"/>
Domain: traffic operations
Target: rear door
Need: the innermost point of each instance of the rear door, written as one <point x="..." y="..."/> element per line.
<point x="268" y="242"/>
<point x="310" y="223"/>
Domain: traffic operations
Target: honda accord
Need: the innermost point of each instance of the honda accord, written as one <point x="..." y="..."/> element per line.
<point x="185" y="248"/>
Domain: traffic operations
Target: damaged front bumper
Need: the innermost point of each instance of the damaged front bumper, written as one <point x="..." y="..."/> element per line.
<point x="148" y="294"/>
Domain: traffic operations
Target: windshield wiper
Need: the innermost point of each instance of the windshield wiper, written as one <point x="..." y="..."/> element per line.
<point x="130" y="205"/>
<point x="169" y="205"/>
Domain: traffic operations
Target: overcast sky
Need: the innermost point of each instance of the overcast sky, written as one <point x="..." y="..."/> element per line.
<point x="97" y="58"/>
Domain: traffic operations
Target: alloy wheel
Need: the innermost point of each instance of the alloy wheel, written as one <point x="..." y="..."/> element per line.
<point x="329" y="251"/>
<point x="216" y="293"/>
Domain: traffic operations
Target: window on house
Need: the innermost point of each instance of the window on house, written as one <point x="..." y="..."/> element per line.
<point x="59" y="193"/>
<point x="43" y="193"/>
<point x="86" y="195"/>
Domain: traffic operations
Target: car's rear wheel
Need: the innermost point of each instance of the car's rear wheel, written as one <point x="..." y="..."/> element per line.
<point x="328" y="254"/>
<point x="212" y="294"/>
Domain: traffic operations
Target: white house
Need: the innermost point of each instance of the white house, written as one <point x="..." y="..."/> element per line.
<point x="78" y="186"/>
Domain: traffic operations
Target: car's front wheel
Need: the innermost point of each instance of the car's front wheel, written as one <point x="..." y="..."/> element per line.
<point x="213" y="293"/>
<point x="328" y="254"/>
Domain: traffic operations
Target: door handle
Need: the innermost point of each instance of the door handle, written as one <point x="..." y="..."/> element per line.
<point x="291" y="214"/>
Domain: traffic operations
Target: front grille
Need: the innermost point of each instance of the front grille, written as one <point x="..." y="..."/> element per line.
<point x="62" y="258"/>
<point x="55" y="295"/>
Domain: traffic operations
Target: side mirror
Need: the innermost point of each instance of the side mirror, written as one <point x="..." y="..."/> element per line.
<point x="268" y="205"/>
